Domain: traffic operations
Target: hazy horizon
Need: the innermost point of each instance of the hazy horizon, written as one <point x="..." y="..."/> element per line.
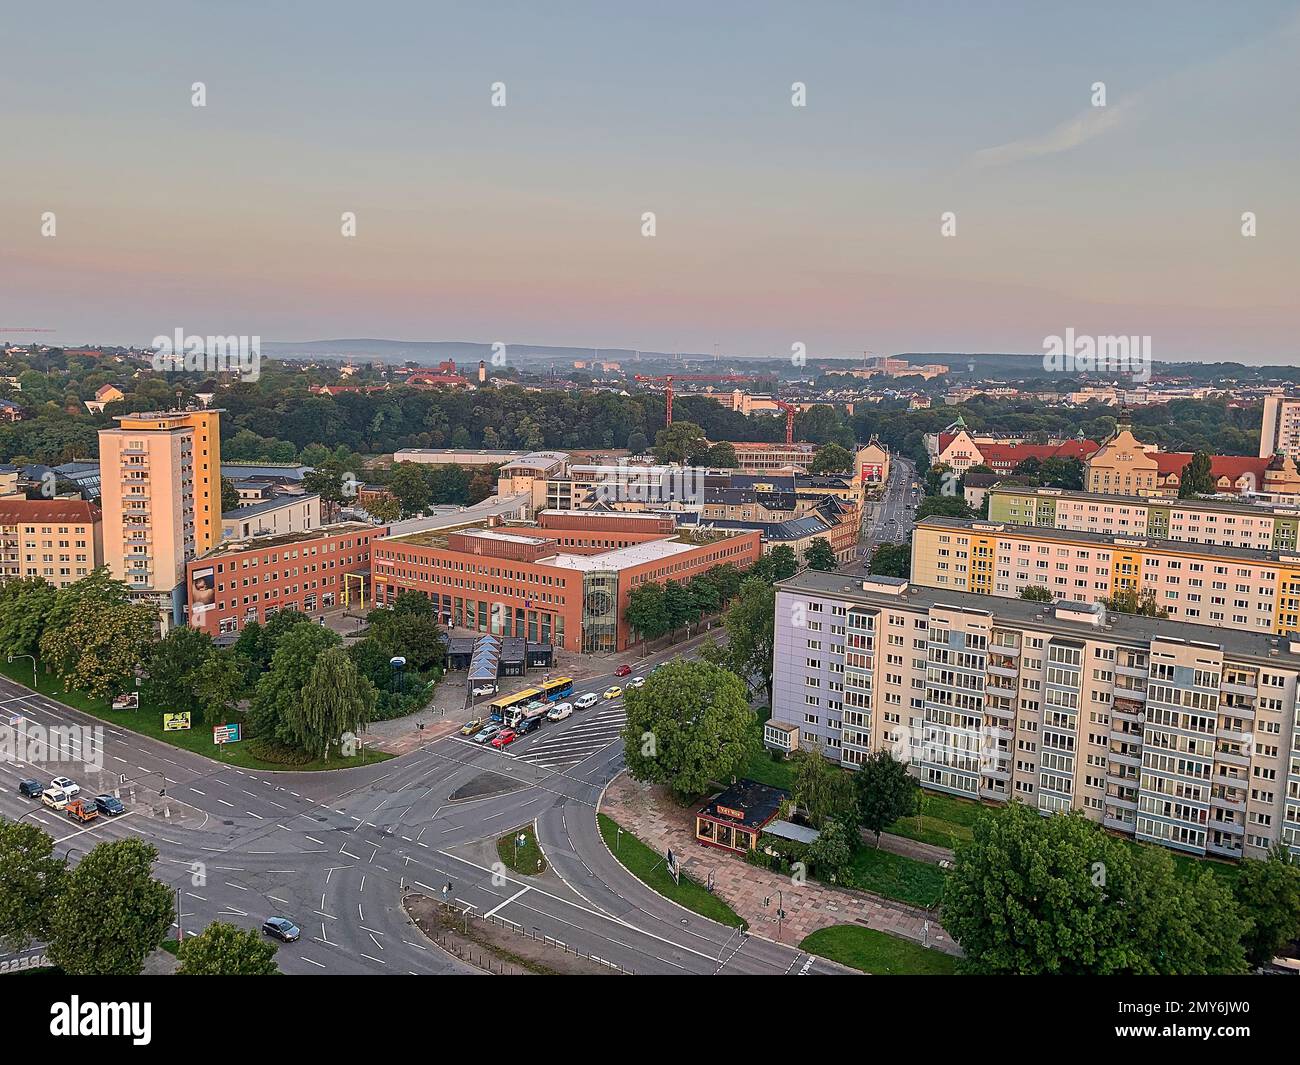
<point x="775" y="224"/>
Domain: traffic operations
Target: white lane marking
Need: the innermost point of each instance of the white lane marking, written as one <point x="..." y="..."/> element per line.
<point x="506" y="902"/>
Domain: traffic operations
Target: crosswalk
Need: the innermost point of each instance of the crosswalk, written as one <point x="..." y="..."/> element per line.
<point x="563" y="749"/>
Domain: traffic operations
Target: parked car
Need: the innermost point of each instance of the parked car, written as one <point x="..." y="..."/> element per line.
<point x="81" y="810"/>
<point x="55" y="798"/>
<point x="485" y="689"/>
<point x="584" y="701"/>
<point x="281" y="928"/>
<point x="559" y="712"/>
<point x="110" y="805"/>
<point x="613" y="692"/>
<point x="636" y="682"/>
<point x="503" y="738"/>
<point x="30" y="788"/>
<point x="656" y="668"/>
<point x="472" y="726"/>
<point x="67" y="784"/>
<point x="486" y="732"/>
<point x="623" y="670"/>
<point x="527" y="725"/>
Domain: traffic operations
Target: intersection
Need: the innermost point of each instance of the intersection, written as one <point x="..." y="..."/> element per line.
<point x="335" y="851"/>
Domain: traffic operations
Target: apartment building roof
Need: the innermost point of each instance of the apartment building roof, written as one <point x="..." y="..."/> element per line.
<point x="260" y="543"/>
<point x="1083" y="620"/>
<point x="266" y="506"/>
<point x="15" y="510"/>
<point x="1228" y="506"/>
<point x="1111" y="541"/>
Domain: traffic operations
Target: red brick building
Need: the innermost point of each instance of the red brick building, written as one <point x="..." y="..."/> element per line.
<point x="250" y="580"/>
<point x="565" y="580"/>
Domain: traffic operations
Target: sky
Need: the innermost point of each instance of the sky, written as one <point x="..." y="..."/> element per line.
<point x="774" y="225"/>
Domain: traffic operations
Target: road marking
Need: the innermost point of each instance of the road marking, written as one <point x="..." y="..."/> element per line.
<point x="310" y="961"/>
<point x="507" y="902"/>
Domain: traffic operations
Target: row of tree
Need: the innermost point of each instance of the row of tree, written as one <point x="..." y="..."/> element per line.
<point x="107" y="914"/>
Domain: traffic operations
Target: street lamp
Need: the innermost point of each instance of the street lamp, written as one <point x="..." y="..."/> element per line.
<point x="33" y="658"/>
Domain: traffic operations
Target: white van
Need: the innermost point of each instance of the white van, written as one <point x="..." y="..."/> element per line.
<point x="584" y="701"/>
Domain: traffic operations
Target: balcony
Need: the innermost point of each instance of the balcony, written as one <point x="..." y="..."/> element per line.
<point x="1123" y="757"/>
<point x="1231" y="755"/>
<point x="1119" y="824"/>
<point x="1225" y="799"/>
<point x="1250" y="691"/>
<point x="1239" y="709"/>
<point x="1224" y="848"/>
<point x="1131" y="671"/>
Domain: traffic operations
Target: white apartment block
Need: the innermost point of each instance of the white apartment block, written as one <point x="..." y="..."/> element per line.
<point x="1257" y="591"/>
<point x="1280" y="428"/>
<point x="1178" y="734"/>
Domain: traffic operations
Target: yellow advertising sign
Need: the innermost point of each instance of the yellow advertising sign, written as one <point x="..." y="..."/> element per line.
<point x="176" y="722"/>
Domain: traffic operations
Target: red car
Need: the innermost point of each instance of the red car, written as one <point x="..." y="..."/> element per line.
<point x="503" y="738"/>
<point x="622" y="671"/>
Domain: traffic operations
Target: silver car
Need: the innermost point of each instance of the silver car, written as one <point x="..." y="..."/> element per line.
<point x="486" y="732"/>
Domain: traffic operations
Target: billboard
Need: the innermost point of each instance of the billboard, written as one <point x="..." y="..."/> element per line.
<point x="179" y="722"/>
<point x="203" y="587"/>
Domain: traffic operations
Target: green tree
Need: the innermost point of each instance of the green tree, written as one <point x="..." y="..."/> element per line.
<point x="1131" y="601"/>
<point x="409" y="628"/>
<point x="681" y="442"/>
<point x="336" y="699"/>
<point x="275" y="708"/>
<point x="721" y="456"/>
<point x="704" y="590"/>
<point x="1268" y="892"/>
<point x="222" y="949"/>
<point x="1036" y="593"/>
<point x="1196" y="480"/>
<point x="680" y="606"/>
<point x="831" y="458"/>
<point x="25" y="604"/>
<point x="171" y="668"/>
<point x="1056" y="895"/>
<point x="892" y="560"/>
<point x="823" y="790"/>
<point x="646" y="611"/>
<point x="31" y="879"/>
<point x="408" y="484"/>
<point x="219" y="684"/>
<point x="885" y="792"/>
<point x="112" y="914"/>
<point x="690" y="725"/>
<point x="96" y="647"/>
<point x="784" y="562"/>
<point x="820" y="555"/>
<point x="750" y="626"/>
<point x="385" y="509"/>
<point x="943" y="506"/>
<point x="229" y="496"/>
<point x="832" y="851"/>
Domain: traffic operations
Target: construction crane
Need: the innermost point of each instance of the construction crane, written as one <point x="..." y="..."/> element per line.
<point x="667" y="381"/>
<point x="790" y="411"/>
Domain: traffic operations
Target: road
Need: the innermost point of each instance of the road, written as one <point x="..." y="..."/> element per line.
<point x="334" y="851"/>
<point x="889" y="519"/>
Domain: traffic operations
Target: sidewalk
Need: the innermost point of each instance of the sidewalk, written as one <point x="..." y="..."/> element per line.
<point x="650" y="813"/>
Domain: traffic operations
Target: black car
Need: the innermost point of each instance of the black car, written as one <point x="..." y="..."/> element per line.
<point x="527" y="725"/>
<point x="109" y="806"/>
<point x="281" y="928"/>
<point x="31" y="788"/>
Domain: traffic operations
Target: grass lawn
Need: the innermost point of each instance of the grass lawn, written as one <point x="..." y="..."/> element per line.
<point x="945" y="820"/>
<point x="148" y="722"/>
<point x="761" y="765"/>
<point x="648" y="867"/>
<point x="878" y="952"/>
<point x="895" y="876"/>
<point x="526" y="858"/>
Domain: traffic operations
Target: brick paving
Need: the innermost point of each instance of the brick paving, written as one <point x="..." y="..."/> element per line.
<point x="652" y="815"/>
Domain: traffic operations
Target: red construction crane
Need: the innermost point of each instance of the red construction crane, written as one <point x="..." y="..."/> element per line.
<point x="667" y="381"/>
<point x="790" y="411"/>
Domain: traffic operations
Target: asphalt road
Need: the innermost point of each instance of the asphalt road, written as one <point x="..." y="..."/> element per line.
<point x="889" y="519"/>
<point x="334" y="851"/>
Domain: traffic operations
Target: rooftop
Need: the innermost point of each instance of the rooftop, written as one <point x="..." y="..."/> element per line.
<point x="265" y="507"/>
<point x="1217" y="505"/>
<point x="261" y="543"/>
<point x="892" y="592"/>
<point x="1108" y="541"/>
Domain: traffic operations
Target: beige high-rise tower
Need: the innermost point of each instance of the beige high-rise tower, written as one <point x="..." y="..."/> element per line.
<point x="160" y="475"/>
